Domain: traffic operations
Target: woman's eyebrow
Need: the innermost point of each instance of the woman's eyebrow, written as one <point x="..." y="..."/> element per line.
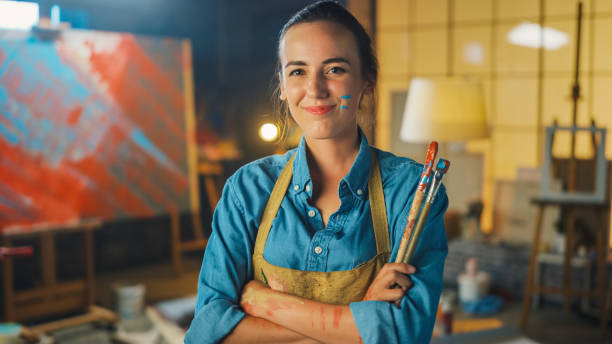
<point x="336" y="60"/>
<point x="328" y="61"/>
<point x="295" y="63"/>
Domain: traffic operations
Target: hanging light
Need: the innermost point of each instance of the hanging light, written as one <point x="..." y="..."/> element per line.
<point x="268" y="132"/>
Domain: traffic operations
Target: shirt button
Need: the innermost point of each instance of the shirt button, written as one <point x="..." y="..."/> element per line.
<point x="296" y="187"/>
<point x="359" y="192"/>
<point x="318" y="250"/>
<point x="311" y="213"/>
<point x="307" y="187"/>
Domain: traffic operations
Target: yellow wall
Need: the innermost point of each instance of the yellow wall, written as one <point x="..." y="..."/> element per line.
<point x="524" y="90"/>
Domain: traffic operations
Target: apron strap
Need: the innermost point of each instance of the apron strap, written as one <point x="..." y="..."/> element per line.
<point x="274" y="202"/>
<point x="377" y="207"/>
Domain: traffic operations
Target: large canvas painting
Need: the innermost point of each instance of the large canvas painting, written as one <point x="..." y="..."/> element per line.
<point x="94" y="125"/>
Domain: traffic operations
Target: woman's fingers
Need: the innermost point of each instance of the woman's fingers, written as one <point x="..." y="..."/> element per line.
<point x="384" y="286"/>
<point x="401" y="267"/>
<point x="403" y="281"/>
<point x="391" y="295"/>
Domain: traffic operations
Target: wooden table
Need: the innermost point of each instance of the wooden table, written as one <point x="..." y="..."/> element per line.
<point x="52" y="297"/>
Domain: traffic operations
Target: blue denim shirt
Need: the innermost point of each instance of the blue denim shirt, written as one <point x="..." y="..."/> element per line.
<point x="347" y="241"/>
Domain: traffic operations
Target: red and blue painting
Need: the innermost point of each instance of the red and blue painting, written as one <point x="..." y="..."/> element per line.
<point x="94" y="125"/>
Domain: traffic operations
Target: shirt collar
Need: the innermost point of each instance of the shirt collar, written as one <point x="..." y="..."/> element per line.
<point x="356" y="179"/>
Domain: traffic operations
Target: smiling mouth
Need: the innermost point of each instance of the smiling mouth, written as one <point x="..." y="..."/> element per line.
<point x="320" y="110"/>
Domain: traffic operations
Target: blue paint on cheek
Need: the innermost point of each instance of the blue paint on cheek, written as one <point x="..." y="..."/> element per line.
<point x="347" y="96"/>
<point x="343" y="107"/>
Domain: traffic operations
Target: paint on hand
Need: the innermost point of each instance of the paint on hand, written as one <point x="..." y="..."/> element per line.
<point x="259" y="301"/>
<point x="323" y="318"/>
<point x="264" y="277"/>
<point x="276" y="283"/>
<point x="337" y="316"/>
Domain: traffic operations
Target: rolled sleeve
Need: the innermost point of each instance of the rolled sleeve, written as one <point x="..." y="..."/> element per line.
<point x="225" y="269"/>
<point x="413" y="321"/>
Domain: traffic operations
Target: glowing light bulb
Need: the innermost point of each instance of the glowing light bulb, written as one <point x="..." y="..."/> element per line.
<point x="268" y="132"/>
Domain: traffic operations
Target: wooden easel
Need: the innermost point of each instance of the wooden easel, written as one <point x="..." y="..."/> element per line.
<point x="569" y="207"/>
<point x="52" y="297"/>
<point x="566" y="289"/>
<point x="209" y="171"/>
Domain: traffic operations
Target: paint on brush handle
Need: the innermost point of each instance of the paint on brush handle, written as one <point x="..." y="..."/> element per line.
<point x="432" y="151"/>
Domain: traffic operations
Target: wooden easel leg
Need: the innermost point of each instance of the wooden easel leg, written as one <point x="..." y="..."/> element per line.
<point x="175" y="227"/>
<point x="567" y="261"/>
<point x="89" y="265"/>
<point x="211" y="192"/>
<point x="197" y="226"/>
<point x="535" y="246"/>
<point x="8" y="285"/>
<point x="602" y="250"/>
<point x="47" y="260"/>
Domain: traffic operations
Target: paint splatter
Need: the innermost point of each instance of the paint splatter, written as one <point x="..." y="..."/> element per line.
<point x="323" y="318"/>
<point x="337" y="316"/>
<point x="344" y="106"/>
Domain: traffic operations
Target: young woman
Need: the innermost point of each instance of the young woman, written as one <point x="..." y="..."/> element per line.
<point x="301" y="242"/>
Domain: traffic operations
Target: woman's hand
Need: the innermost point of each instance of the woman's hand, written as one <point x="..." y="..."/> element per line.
<point x="248" y="299"/>
<point x="383" y="287"/>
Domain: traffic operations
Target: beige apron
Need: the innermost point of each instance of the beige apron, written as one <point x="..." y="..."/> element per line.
<point x="335" y="287"/>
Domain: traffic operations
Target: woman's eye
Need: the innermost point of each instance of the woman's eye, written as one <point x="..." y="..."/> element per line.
<point x="336" y="70"/>
<point x="296" y="72"/>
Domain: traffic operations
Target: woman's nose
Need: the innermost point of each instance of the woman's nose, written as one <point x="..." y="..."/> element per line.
<point x="317" y="86"/>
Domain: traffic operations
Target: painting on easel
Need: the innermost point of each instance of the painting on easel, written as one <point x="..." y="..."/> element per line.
<point x="95" y="125"/>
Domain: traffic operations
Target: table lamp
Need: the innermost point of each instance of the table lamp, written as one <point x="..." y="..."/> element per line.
<point x="445" y="110"/>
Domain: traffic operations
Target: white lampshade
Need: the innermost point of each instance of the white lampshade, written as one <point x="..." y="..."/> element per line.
<point x="446" y="110"/>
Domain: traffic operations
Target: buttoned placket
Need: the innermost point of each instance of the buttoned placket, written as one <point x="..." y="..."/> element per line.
<point x="318" y="254"/>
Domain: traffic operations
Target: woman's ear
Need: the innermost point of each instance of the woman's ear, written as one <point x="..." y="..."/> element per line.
<point x="281" y="86"/>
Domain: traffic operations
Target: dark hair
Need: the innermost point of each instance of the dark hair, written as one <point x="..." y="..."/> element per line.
<point x="334" y="12"/>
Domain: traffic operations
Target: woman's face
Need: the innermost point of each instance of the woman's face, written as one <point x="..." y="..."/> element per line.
<point x="321" y="79"/>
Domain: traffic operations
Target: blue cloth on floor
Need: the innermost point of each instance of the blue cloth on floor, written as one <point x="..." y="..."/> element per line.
<point x="485" y="306"/>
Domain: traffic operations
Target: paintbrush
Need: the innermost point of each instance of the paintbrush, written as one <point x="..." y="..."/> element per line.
<point x="439" y="173"/>
<point x="418" y="199"/>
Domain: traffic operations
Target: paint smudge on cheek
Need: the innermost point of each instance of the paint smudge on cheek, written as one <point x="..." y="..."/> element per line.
<point x="345" y="97"/>
<point x="337" y="317"/>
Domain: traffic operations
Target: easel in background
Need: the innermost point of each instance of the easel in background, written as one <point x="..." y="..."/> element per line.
<point x="570" y="200"/>
<point x="51" y="297"/>
<point x="209" y="171"/>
